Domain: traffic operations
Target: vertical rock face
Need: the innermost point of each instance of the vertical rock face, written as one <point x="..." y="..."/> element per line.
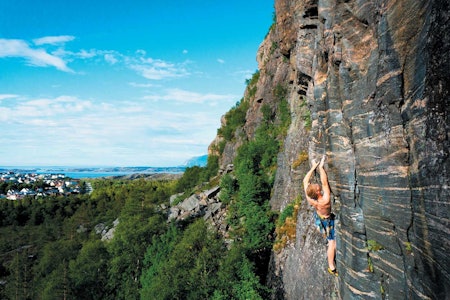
<point x="376" y="78"/>
<point x="368" y="85"/>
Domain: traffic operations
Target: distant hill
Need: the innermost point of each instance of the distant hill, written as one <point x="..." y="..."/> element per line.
<point x="197" y="161"/>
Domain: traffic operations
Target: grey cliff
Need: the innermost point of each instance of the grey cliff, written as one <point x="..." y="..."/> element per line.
<point x="368" y="85"/>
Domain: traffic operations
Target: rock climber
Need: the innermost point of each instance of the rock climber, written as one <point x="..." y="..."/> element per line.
<point x="319" y="197"/>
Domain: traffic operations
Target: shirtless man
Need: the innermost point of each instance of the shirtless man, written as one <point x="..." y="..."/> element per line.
<point x="319" y="197"/>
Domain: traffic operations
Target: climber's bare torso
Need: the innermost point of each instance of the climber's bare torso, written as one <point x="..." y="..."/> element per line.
<point x="322" y="206"/>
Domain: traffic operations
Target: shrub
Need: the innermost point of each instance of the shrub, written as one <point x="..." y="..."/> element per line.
<point x="228" y="187"/>
<point x="301" y="158"/>
<point x="196" y="175"/>
<point x="235" y="118"/>
<point x="251" y="84"/>
<point x="273" y="47"/>
<point x="287" y="225"/>
<point x="254" y="79"/>
<point x="374" y="246"/>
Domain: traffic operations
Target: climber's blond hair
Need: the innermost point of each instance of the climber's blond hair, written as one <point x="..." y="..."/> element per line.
<point x="313" y="191"/>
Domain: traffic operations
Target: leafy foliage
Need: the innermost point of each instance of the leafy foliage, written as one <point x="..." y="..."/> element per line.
<point x="194" y="264"/>
<point x="237" y="278"/>
<point x="286" y="225"/>
<point x="283" y="111"/>
<point x="235" y="118"/>
<point x="189" y="267"/>
<point x="89" y="270"/>
<point x="155" y="259"/>
<point x="252" y="81"/>
<point x="49" y="248"/>
<point x="228" y="188"/>
<point x="254" y="192"/>
<point x="273" y="47"/>
<point x="196" y="175"/>
<point x="374" y="246"/>
<point x="251" y="84"/>
<point x="248" y="194"/>
<point x="301" y="158"/>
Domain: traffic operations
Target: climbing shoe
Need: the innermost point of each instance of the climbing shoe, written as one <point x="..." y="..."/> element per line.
<point x="333" y="272"/>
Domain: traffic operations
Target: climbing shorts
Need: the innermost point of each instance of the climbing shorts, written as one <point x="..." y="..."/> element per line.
<point x="326" y="225"/>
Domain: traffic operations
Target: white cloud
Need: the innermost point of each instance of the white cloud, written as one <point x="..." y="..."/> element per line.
<point x="142" y="85"/>
<point x="156" y="69"/>
<point x="185" y="96"/>
<point x="7" y="96"/>
<point x="147" y="67"/>
<point x="53" y="40"/>
<point x="120" y="132"/>
<point x="34" y="56"/>
<point x="141" y="52"/>
<point x="5" y="113"/>
<point x="220" y="61"/>
<point x="185" y="51"/>
<point x="110" y="59"/>
<point x="59" y="107"/>
<point x="110" y="56"/>
<point x="86" y="54"/>
<point x="159" y="70"/>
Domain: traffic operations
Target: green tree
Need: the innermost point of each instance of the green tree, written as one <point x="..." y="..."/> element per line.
<point x="155" y="259"/>
<point x="228" y="188"/>
<point x="189" y="271"/>
<point x="52" y="270"/>
<point x="235" y="118"/>
<point x="127" y="249"/>
<point x="20" y="274"/>
<point x="237" y="279"/>
<point x="196" y="175"/>
<point x="191" y="177"/>
<point x="253" y="196"/>
<point x="89" y="272"/>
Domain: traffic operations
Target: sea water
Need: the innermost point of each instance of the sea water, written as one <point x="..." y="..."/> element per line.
<point x="79" y="173"/>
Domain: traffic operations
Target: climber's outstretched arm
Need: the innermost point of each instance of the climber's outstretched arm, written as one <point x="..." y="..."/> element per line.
<point x="308" y="178"/>
<point x="324" y="180"/>
<point x="308" y="175"/>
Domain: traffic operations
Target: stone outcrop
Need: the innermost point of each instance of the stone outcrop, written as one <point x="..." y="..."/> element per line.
<point x="106" y="232"/>
<point x="368" y="85"/>
<point x="205" y="204"/>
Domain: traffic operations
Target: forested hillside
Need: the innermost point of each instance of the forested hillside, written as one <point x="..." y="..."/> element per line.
<point x="117" y="243"/>
<point x="52" y="248"/>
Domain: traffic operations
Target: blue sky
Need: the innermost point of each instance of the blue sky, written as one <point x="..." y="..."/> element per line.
<point x="121" y="83"/>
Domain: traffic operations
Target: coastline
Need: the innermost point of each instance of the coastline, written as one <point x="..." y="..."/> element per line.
<point x="95" y="172"/>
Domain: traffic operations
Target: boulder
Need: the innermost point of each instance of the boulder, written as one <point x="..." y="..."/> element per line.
<point x="174" y="212"/>
<point x="190" y="203"/>
<point x="211" y="193"/>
